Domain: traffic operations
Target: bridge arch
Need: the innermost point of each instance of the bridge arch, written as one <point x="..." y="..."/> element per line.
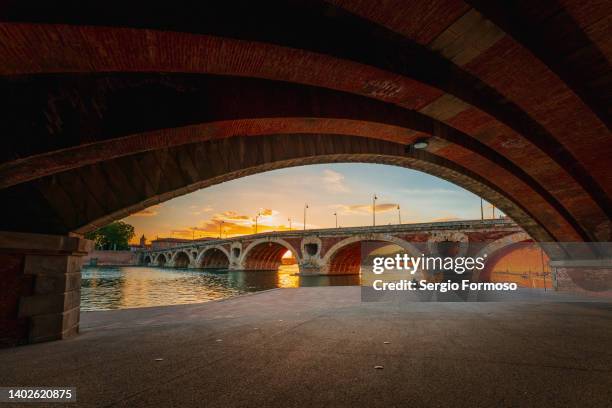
<point x="266" y="254"/>
<point x="214" y="257"/>
<point x="344" y="257"/>
<point x="146" y="260"/>
<point x="161" y="260"/>
<point x="181" y="259"/>
<point x="496" y="249"/>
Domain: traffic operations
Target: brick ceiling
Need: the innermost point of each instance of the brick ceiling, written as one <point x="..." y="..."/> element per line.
<point x="514" y="97"/>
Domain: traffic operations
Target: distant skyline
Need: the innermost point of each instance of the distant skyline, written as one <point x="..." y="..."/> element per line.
<point x="280" y="195"/>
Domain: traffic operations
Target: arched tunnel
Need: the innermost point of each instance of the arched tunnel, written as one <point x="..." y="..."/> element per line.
<point x="214" y="258"/>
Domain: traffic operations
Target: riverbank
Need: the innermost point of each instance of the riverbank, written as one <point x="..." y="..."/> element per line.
<point x="320" y="346"/>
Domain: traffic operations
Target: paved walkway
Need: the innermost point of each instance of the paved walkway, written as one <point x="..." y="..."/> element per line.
<point x="319" y="346"/>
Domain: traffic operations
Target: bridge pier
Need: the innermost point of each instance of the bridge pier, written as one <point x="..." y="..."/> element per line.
<point x="41" y="286"/>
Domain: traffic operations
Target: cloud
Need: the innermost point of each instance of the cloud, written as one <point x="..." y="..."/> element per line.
<point x="366" y="208"/>
<point x="334" y="182"/>
<point x="232" y="223"/>
<point x="231" y="216"/>
<point x="147" y="212"/>
<point x="197" y="210"/>
<point x="267" y="212"/>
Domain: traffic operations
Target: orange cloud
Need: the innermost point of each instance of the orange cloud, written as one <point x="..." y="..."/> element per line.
<point x="231" y="223"/>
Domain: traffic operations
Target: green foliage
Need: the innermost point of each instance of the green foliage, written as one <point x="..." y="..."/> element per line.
<point x="114" y="236"/>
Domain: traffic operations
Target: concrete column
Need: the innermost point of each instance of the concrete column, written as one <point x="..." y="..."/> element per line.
<point x="41" y="300"/>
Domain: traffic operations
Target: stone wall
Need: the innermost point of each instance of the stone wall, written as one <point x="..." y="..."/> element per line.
<point x="108" y="258"/>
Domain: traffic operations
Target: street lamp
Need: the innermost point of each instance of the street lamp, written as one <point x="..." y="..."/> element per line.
<point x="220" y="227"/>
<point x="289" y="219"/>
<point x="481" y="210"/>
<point x="374" y="198"/>
<point x="399" y="215"/>
<point x="336" y="215"/>
<point x="256" y="217"/>
<point x="305" y="208"/>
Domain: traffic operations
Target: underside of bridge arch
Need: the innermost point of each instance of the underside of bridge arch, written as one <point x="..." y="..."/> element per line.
<point x="214" y="258"/>
<point x="146" y="260"/>
<point x="181" y="260"/>
<point x="161" y="260"/>
<point x="105" y="192"/>
<point x="495" y="257"/>
<point x="505" y="92"/>
<point x="265" y="256"/>
<point x="347" y="259"/>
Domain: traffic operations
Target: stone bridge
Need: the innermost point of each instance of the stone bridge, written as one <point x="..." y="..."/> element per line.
<point x="333" y="250"/>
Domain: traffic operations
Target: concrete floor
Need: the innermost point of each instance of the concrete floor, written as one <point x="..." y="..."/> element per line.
<point x="318" y="347"/>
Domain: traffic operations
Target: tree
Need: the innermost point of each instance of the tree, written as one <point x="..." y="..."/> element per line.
<point x="114" y="236"/>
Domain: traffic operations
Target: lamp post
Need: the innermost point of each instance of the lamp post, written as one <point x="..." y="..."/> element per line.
<point x="256" y="217"/>
<point x="493" y="211"/>
<point x="336" y="215"/>
<point x="289" y="219"/>
<point x="374" y="198"/>
<point x="481" y="210"/>
<point x="399" y="215"/>
<point x="220" y="227"/>
<point x="305" y="208"/>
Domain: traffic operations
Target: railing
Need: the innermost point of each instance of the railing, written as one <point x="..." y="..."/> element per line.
<point x="394" y="228"/>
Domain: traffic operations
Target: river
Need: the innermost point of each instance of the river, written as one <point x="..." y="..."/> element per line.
<point x="107" y="288"/>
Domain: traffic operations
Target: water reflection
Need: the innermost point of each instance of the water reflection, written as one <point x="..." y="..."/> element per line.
<point x="105" y="288"/>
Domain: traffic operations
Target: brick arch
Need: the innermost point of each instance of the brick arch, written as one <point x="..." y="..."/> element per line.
<point x="161" y="260"/>
<point x="265" y="153"/>
<point x="215" y="257"/>
<point x="266" y="254"/>
<point x="344" y="257"/>
<point x="314" y="111"/>
<point x="454" y="95"/>
<point x="181" y="259"/>
<point x="427" y="73"/>
<point x="495" y="250"/>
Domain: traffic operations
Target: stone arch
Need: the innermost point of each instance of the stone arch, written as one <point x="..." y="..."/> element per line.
<point x="181" y="259"/>
<point x="266" y="254"/>
<point x="214" y="257"/>
<point x="344" y="257"/>
<point x="146" y="260"/>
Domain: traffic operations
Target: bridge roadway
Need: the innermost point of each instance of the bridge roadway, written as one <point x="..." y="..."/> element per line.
<point x="330" y="250"/>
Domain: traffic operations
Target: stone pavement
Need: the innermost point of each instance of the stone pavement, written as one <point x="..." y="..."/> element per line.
<point x="319" y="346"/>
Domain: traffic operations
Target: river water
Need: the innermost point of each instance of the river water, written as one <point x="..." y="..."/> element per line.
<point x="107" y="288"/>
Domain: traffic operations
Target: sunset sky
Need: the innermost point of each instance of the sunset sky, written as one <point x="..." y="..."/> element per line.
<point x="327" y="188"/>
